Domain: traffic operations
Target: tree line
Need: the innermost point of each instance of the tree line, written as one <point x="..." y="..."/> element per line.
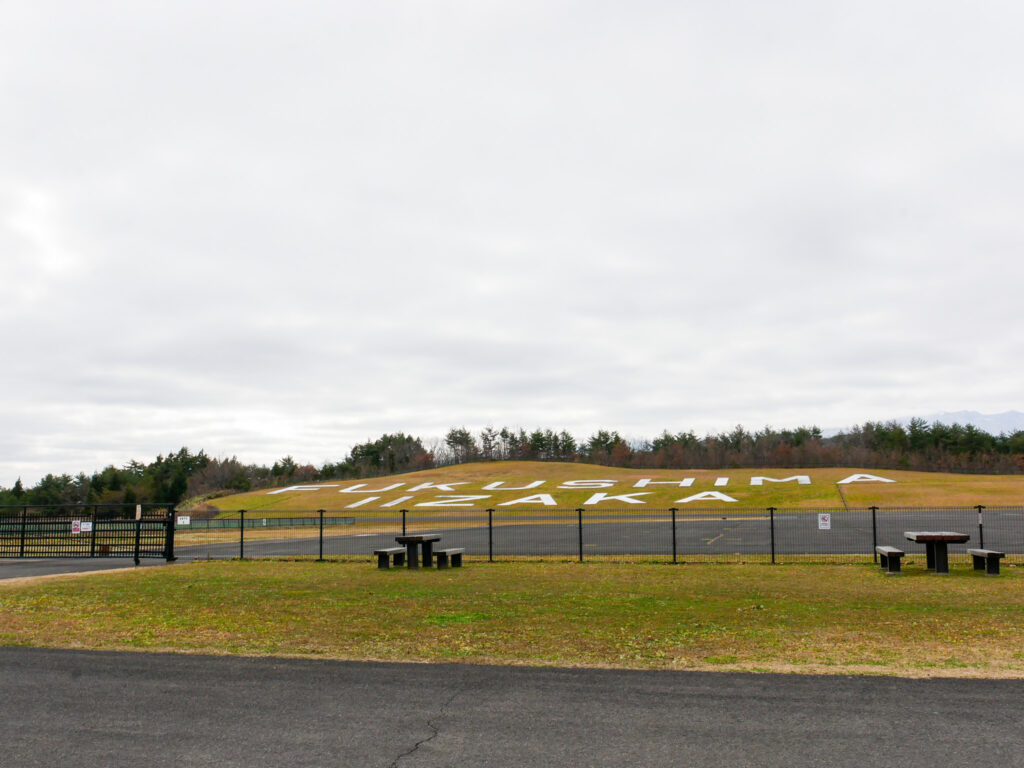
<point x="182" y="475"/>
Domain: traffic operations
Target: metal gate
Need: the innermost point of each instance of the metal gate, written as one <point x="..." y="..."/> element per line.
<point x="95" y="530"/>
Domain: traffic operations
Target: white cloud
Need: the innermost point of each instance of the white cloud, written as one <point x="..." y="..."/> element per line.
<point x="266" y="230"/>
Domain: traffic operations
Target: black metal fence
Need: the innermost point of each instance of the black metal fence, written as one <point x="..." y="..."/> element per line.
<point x="674" y="535"/>
<point x="95" y="530"/>
<point x="671" y="535"/>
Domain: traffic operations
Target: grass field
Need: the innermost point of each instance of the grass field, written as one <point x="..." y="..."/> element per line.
<point x="908" y="489"/>
<point x="794" y="618"/>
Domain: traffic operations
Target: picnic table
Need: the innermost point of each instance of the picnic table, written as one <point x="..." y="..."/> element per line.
<point x="412" y="544"/>
<point x="935" y="544"/>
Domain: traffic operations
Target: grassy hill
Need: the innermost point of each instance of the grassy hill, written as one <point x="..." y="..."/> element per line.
<point x="554" y="483"/>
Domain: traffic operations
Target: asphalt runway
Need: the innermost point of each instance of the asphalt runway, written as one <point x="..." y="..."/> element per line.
<point x="705" y="535"/>
<point x="77" y="708"/>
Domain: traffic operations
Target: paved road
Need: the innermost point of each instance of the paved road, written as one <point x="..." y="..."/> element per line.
<point x="14" y="568"/>
<point x="74" y="708"/>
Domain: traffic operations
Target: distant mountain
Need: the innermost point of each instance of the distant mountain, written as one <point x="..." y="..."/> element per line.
<point x="993" y="423"/>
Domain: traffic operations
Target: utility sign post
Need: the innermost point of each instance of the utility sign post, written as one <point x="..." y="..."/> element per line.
<point x="824" y="521"/>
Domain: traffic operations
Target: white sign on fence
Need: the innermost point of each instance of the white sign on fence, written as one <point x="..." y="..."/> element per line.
<point x="184" y="520"/>
<point x="76" y="526"/>
<point x="824" y="521"/>
<point x="87" y="526"/>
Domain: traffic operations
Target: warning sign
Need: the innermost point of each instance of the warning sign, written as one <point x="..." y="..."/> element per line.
<point x="824" y="521"/>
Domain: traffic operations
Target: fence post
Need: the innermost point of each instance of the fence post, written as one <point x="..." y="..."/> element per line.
<point x="874" y="533"/>
<point x="403" y="521"/>
<point x="674" y="510"/>
<point x="771" y="525"/>
<point x="241" y="534"/>
<point x="138" y="535"/>
<point x="579" y="528"/>
<point x="981" y="528"/>
<point x="490" y="535"/>
<point x="92" y="535"/>
<point x="321" y="513"/>
<point x="24" y="524"/>
<point x="169" y="540"/>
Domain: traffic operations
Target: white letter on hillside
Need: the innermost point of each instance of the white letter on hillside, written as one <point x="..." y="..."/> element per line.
<point x="438" y="486"/>
<point x="865" y="479"/>
<point x="299" y="488"/>
<point x="452" y="501"/>
<point x="355" y="488"/>
<point x="719" y="482"/>
<point x="706" y="496"/>
<point x="497" y="486"/>
<point x="800" y="479"/>
<point x="540" y="498"/>
<point x="684" y="483"/>
<point x="570" y="485"/>
<point x="597" y="498"/>
<point x="360" y="503"/>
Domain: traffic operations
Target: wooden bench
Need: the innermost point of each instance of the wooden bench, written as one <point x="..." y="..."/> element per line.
<point x="987" y="559"/>
<point x="889" y="558"/>
<point x="384" y="556"/>
<point x="444" y="556"/>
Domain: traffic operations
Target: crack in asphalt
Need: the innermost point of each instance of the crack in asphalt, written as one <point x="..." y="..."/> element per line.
<point x="430" y="724"/>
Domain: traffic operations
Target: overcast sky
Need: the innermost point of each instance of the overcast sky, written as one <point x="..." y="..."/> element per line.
<point x="265" y="228"/>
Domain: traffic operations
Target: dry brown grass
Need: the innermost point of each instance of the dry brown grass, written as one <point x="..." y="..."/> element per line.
<point x="796" y="618"/>
<point x="910" y="488"/>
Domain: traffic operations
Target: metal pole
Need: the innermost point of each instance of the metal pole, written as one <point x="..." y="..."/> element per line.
<point x="169" y="540"/>
<point x="981" y="528"/>
<point x="321" y="534"/>
<point x="138" y="536"/>
<point x="403" y="521"/>
<point x="771" y="523"/>
<point x="92" y="536"/>
<point x="241" y="534"/>
<point x="674" y="510"/>
<point x="874" y="532"/>
<point x="24" y="523"/>
<point x="490" y="535"/>
<point x="579" y="513"/>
